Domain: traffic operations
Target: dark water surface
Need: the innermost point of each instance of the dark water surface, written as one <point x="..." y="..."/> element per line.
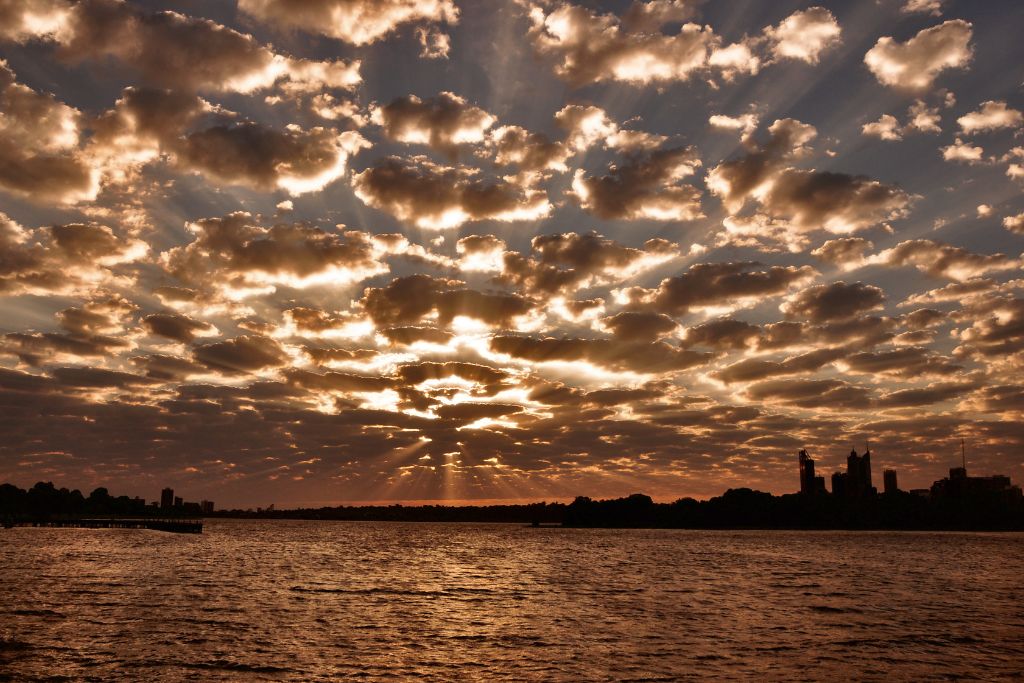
<point x="285" y="600"/>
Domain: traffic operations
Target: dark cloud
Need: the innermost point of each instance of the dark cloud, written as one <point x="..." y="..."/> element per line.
<point x="719" y="284"/>
<point x="639" y="326"/>
<point x="654" y="357"/>
<point x="409" y="299"/>
<point x="647" y="186"/>
<point x="244" y="354"/>
<point x="824" y="394"/>
<point x="835" y="301"/>
<point x="723" y="334"/>
<point x="175" y="326"/>
<point x="96" y="378"/>
<point x="235" y="249"/>
<point x="754" y="369"/>
<point x="904" y="362"/>
<point x="249" y="153"/>
<point x="444" y="122"/>
<point x="807" y="200"/>
<point x="436" y="197"/>
<point x="565" y="262"/>
<point x="944" y="260"/>
<point x="39" y="146"/>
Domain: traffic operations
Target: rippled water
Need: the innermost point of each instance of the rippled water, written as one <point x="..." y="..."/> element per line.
<point x="334" y="600"/>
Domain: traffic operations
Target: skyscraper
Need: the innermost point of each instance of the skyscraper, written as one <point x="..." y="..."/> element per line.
<point x="167" y="499"/>
<point x="858" y="475"/>
<point x="807" y="486"/>
<point x="839" y="484"/>
<point x="889" y="479"/>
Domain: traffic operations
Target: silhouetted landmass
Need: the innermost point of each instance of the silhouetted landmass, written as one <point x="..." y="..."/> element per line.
<point x="740" y="508"/>
<point x="747" y="509"/>
<point x="541" y="513"/>
<point x="46" y="501"/>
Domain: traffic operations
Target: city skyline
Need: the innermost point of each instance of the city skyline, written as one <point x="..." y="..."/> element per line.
<point x="515" y="250"/>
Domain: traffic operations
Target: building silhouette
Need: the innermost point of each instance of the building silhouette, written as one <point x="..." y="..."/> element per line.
<point x="889" y="481"/>
<point x="206" y="506"/>
<point x="858" y="475"/>
<point x="959" y="486"/>
<point x="167" y="499"/>
<point x="839" y="484"/>
<point x="178" y="501"/>
<point x="806" y="473"/>
<point x="809" y="483"/>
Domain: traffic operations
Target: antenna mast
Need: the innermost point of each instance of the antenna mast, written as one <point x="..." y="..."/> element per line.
<point x="963" y="454"/>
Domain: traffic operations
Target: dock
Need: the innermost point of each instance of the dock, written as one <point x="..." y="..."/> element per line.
<point x="177" y="526"/>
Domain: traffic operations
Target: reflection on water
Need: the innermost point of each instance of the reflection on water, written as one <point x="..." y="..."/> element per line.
<point x="325" y="601"/>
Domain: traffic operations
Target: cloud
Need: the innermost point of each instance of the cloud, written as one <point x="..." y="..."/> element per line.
<point x="644" y="187"/>
<point x="914" y="64"/>
<point x="96" y="378"/>
<point x="885" y="128"/>
<point x="845" y="252"/>
<point x="963" y="152"/>
<point x="621" y="356"/>
<point x="566" y="262"/>
<point x="911" y="361"/>
<point x="746" y="124"/>
<point x="63" y="259"/>
<point x="719" y="285"/>
<point x="434" y="44"/>
<point x="756" y="369"/>
<point x="96" y="328"/>
<point x="21" y="20"/>
<point x="944" y="260"/>
<point x="647" y="17"/>
<point x="234" y="252"/>
<point x="806" y="200"/>
<point x="408" y="300"/>
<point x="175" y="326"/>
<point x="241" y="355"/>
<point x="835" y="301"/>
<point x="722" y="334"/>
<point x="530" y="152"/>
<point x="436" y="197"/>
<point x="359" y="22"/>
<point x="935" y="393"/>
<point x="145" y="123"/>
<point x="646" y="326"/>
<point x="932" y="7"/>
<point x="920" y="119"/>
<point x="992" y="116"/>
<point x="804" y="35"/>
<point x="443" y="122"/>
<point x="825" y="394"/>
<point x="590" y="48"/>
<point x="996" y="328"/>
<point x="39" y="145"/>
<point x="295" y="160"/>
<point x="410" y="335"/>
<point x="1015" y="223"/>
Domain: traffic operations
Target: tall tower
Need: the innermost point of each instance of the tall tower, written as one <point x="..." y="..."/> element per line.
<point x="889" y="479"/>
<point x="865" y="465"/>
<point x="853" y="474"/>
<point x="806" y="473"/>
<point x="167" y="499"/>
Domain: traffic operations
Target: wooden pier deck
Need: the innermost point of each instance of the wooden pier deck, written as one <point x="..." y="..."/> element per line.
<point x="178" y="526"/>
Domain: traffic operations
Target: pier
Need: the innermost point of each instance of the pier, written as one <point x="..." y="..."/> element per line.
<point x="177" y="526"/>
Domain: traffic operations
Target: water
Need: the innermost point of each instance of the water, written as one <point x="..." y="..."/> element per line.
<point x="252" y="601"/>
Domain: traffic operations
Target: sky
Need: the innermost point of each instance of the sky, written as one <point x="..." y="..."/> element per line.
<point x="308" y="252"/>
